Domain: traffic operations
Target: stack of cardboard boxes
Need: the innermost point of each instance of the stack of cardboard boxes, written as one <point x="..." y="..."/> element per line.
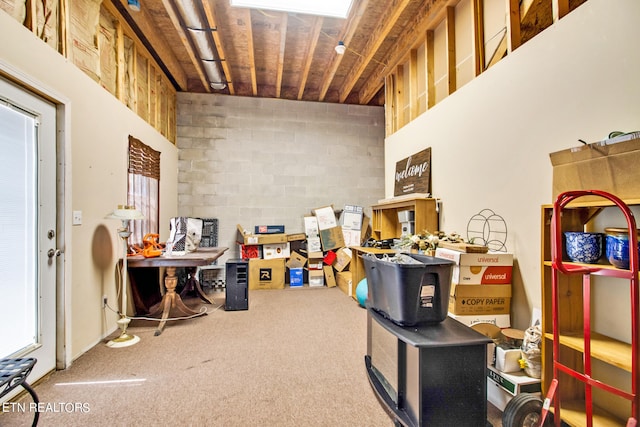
<point x="318" y="257"/>
<point x="480" y="287"/>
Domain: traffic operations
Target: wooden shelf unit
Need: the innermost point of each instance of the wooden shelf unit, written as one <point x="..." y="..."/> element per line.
<point x="385" y="224"/>
<point x="578" y="216"/>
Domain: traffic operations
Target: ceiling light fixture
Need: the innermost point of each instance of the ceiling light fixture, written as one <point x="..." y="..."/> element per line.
<point x="134" y="5"/>
<point x="340" y="48"/>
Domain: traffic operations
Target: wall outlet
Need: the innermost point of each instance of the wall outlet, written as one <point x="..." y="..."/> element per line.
<point x="104" y="301"/>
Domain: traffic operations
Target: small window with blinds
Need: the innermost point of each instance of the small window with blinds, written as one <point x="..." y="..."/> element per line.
<point x="143" y="188"/>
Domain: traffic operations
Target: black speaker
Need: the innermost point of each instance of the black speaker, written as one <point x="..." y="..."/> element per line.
<point x="237" y="285"/>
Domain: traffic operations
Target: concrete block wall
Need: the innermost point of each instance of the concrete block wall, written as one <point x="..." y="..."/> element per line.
<point x="254" y="161"/>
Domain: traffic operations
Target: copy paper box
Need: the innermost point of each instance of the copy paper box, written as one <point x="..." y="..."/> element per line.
<point x="476" y="299"/>
<point x="500" y="320"/>
<point x="493" y="268"/>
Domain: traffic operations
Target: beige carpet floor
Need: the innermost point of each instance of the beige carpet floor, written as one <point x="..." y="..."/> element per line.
<point x="295" y="358"/>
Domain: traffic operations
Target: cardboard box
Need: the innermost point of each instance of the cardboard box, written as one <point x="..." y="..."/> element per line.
<point x="276" y="250"/>
<point x="312" y="234"/>
<point x="492" y="268"/>
<point x="332" y="238"/>
<point x="343" y="258"/>
<point x="507" y="359"/>
<point x="326" y="217"/>
<point x="296" y="260"/>
<point x="500" y="320"/>
<point x="598" y="166"/>
<point x="268" y="229"/>
<point x="296" y="237"/>
<point x="266" y="274"/>
<point x="480" y="299"/>
<point x="315" y="260"/>
<point x="351" y="223"/>
<point x="316" y="278"/>
<point x="344" y="282"/>
<point x="250" y="251"/>
<point x="259" y="239"/>
<point x="296" y="278"/>
<point x="502" y="387"/>
<point x="329" y="277"/>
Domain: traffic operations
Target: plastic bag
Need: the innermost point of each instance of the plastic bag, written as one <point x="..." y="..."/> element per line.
<point x="531" y="352"/>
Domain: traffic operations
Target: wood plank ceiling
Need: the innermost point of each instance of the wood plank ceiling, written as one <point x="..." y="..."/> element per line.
<point x="272" y="54"/>
<point x="264" y="53"/>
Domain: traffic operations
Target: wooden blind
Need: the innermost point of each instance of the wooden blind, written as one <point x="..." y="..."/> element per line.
<point x="143" y="160"/>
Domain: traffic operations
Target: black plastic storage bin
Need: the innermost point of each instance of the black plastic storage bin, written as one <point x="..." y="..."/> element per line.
<point x="409" y="294"/>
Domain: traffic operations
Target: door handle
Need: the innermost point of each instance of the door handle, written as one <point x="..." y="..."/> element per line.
<point x="53" y="252"/>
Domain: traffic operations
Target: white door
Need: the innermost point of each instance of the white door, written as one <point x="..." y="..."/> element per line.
<point x="28" y="253"/>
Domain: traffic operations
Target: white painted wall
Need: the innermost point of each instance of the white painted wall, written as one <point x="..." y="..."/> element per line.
<point x="491" y="139"/>
<point x="94" y="133"/>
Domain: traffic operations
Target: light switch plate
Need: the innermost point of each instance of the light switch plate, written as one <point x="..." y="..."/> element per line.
<point x="77" y="218"/>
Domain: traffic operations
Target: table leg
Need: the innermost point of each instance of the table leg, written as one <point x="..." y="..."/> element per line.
<point x="171" y="300"/>
<point x="193" y="284"/>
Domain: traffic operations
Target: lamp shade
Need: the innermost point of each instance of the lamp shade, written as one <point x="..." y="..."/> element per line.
<point x="340" y="48"/>
<point x="124" y="212"/>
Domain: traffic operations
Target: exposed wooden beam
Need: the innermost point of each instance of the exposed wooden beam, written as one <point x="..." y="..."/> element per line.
<point x="451" y="49"/>
<point x="315" y="34"/>
<point x="389" y="107"/>
<point x="120" y="89"/>
<point x="430" y="57"/>
<point x="399" y="95"/>
<point x="346" y="36"/>
<point x="560" y="9"/>
<point x="251" y="52"/>
<point x="500" y="51"/>
<point x="144" y="22"/>
<point x="413" y="84"/>
<point x="283" y="41"/>
<point x="212" y="22"/>
<point x="432" y="13"/>
<point x="513" y="25"/>
<point x="378" y="35"/>
<point x="186" y="42"/>
<point x="478" y="35"/>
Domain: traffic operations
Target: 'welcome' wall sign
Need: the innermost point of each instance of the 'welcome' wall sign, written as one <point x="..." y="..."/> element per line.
<point x="413" y="174"/>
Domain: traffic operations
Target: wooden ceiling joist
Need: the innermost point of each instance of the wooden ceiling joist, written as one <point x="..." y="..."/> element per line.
<point x="315" y="34"/>
<point x="346" y="36"/>
<point x="431" y="13"/>
<point x="283" y="43"/>
<point x="251" y="52"/>
<point x="383" y="28"/>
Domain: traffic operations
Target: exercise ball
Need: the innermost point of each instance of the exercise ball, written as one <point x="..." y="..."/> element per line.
<point x="362" y="292"/>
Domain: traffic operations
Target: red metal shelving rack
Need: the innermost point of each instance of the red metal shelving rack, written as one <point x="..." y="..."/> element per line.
<point x="560" y="267"/>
